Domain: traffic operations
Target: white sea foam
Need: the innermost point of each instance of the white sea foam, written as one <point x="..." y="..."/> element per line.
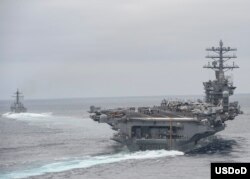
<point x="26" y="116"/>
<point x="90" y="161"/>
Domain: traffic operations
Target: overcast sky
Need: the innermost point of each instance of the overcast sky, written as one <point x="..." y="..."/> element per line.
<point x="100" y="48"/>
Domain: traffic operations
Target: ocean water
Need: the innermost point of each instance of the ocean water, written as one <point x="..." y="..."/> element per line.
<point x="57" y="139"/>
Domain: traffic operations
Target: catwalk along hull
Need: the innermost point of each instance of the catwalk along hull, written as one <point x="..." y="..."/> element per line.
<point x="167" y="134"/>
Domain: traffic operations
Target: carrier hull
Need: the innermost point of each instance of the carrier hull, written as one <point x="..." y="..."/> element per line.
<point x="178" y="135"/>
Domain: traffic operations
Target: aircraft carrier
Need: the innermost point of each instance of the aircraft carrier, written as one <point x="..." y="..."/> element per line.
<point x="17" y="106"/>
<point x="178" y="124"/>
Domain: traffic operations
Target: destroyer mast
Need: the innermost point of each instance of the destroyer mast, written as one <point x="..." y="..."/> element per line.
<point x="17" y="106"/>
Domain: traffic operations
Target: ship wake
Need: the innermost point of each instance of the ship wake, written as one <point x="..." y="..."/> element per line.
<point x="26" y="116"/>
<point x="89" y="161"/>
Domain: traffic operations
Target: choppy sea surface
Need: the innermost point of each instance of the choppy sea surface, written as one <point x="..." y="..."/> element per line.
<point x="57" y="139"/>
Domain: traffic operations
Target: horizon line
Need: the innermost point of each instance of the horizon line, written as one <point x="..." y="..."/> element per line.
<point x="132" y="96"/>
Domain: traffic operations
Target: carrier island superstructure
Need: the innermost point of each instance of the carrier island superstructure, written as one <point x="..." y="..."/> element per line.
<point x="177" y="124"/>
<point x="17" y="106"/>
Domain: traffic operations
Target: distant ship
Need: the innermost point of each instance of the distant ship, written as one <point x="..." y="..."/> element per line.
<point x="177" y="125"/>
<point x="17" y="106"/>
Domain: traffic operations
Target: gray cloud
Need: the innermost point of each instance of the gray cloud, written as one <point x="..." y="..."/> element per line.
<point x="56" y="48"/>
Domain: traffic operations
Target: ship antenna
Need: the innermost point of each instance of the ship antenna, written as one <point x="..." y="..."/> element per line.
<point x="219" y="60"/>
<point x="17" y="96"/>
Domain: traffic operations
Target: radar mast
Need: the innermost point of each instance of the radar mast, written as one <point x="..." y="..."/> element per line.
<point x="17" y="96"/>
<point x="219" y="90"/>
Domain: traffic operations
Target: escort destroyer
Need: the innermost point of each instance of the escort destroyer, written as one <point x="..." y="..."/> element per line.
<point x="17" y="106"/>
